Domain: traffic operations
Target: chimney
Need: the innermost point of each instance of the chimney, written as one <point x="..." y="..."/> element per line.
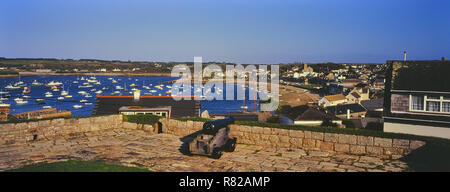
<point x="348" y="113"/>
<point x="137" y="95"/>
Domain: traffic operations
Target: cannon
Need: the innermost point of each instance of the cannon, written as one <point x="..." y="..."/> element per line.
<point x="213" y="139"/>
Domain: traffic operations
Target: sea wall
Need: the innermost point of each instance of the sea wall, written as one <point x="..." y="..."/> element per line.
<point x="310" y="140"/>
<point x="22" y="133"/>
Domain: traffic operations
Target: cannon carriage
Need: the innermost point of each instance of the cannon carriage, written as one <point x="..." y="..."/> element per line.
<point x="213" y="139"/>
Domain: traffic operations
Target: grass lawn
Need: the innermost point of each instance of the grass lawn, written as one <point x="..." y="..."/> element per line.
<point x="77" y="166"/>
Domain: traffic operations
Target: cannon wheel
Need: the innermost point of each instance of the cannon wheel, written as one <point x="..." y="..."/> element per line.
<point x="231" y="145"/>
<point x="216" y="154"/>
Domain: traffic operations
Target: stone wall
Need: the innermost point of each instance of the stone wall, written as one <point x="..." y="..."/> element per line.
<point x="20" y="133"/>
<point x="310" y="140"/>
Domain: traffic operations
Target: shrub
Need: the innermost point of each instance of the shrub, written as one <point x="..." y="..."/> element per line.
<point x="328" y="123"/>
<point x="348" y="124"/>
<point x="142" y="118"/>
<point x="194" y="119"/>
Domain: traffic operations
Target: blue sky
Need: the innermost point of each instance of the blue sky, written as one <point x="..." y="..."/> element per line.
<point x="240" y="31"/>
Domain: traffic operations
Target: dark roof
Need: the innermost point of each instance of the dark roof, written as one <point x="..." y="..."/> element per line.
<point x="419" y="75"/>
<point x="306" y="113"/>
<point x="111" y="104"/>
<point x="342" y="109"/>
<point x="356" y="95"/>
<point x="373" y="104"/>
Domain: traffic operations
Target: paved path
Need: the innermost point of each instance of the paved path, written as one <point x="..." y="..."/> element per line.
<point x="162" y="153"/>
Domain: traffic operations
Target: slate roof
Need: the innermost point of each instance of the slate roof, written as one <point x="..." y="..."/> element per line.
<point x="342" y="109"/>
<point x="373" y="104"/>
<point x="111" y="104"/>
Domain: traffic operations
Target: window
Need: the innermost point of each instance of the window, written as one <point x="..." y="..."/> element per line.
<point x="430" y="103"/>
<point x="446" y="107"/>
<point x="417" y="102"/>
<point x="434" y="106"/>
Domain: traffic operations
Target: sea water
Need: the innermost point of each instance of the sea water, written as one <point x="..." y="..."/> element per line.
<point x="107" y="87"/>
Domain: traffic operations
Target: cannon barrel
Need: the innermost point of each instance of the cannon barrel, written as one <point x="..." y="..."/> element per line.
<point x="211" y="127"/>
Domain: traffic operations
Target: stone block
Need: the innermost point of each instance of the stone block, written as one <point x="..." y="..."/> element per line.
<point x="257" y="130"/>
<point x="400" y="143"/>
<point x="21" y="126"/>
<point x="357" y="149"/>
<point x="374" y="150"/>
<point x="284" y="139"/>
<point x="382" y="142"/>
<point x="296" y="133"/>
<point x="339" y="147"/>
<point x="327" y="146"/>
<point x="331" y="137"/>
<point x="274" y="139"/>
<point x="309" y="143"/>
<point x="190" y="124"/>
<point x="32" y="125"/>
<point x="365" y="140"/>
<point x="296" y="142"/>
<point x="267" y="131"/>
<point x="393" y="151"/>
<point x="347" y="139"/>
<point x="307" y="134"/>
<point x="317" y="136"/>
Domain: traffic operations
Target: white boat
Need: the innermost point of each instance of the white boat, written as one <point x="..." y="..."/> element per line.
<point x="113" y="81"/>
<point x="39" y="99"/>
<point x="47" y="107"/>
<point x="26" y="96"/>
<point x="60" y="98"/>
<point x="53" y="84"/>
<point x="87" y="103"/>
<point x="83" y="101"/>
<point x="82" y="92"/>
<point x="36" y="83"/>
<point x="12" y="87"/>
<point x="75" y="82"/>
<point x="88" y="96"/>
<point x="4" y="105"/>
<point x="77" y="106"/>
<point x="49" y="95"/>
<point x="20" y="102"/>
<point x="99" y="92"/>
<point x="68" y="96"/>
<point x="119" y="87"/>
<point x="63" y="93"/>
<point x="84" y="86"/>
